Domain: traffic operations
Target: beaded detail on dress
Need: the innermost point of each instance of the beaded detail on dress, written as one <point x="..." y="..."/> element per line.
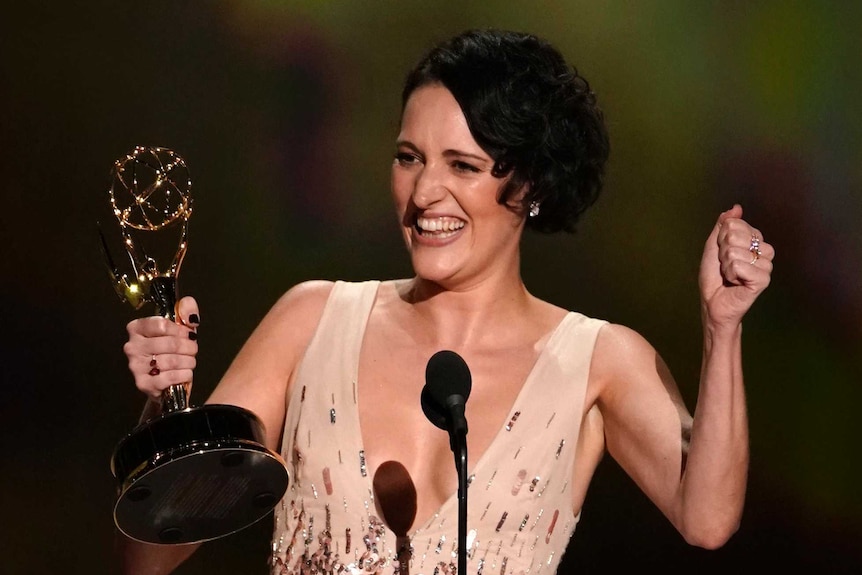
<point x="520" y="515"/>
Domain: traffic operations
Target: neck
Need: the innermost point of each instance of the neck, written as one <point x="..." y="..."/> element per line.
<point x="464" y="317"/>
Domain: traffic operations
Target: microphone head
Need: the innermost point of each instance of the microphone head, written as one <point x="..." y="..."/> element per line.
<point x="447" y="377"/>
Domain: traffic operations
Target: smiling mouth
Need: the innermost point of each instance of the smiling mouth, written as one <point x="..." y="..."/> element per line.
<point x="439" y="228"/>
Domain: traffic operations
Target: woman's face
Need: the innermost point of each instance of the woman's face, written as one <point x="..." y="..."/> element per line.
<point x="446" y="197"/>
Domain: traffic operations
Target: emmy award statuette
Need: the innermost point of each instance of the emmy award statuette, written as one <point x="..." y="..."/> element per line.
<point x="189" y="474"/>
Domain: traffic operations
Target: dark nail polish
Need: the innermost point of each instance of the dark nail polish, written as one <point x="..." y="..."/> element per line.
<point x="193" y="335"/>
<point x="194" y="319"/>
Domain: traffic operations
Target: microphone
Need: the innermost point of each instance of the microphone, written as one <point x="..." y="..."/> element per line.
<point x="447" y="387"/>
<point x="444" y="397"/>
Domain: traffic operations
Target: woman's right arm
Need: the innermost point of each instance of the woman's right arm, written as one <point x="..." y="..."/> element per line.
<point x="260" y="376"/>
<point x="258" y="379"/>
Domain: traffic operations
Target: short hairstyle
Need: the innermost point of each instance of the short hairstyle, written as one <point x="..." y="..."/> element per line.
<point x="531" y="112"/>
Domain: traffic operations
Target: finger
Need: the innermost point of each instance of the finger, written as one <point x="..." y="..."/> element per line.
<point x="767" y="252"/>
<point x="738" y="232"/>
<point x="757" y="248"/>
<point x="143" y="346"/>
<point x="159" y="335"/>
<point x="761" y="257"/>
<point x="161" y="363"/>
<point x="155" y="373"/>
<point x="743" y="269"/>
<point x="743" y="247"/>
<point x="187" y="312"/>
<point x="711" y="251"/>
<point x="723" y="217"/>
<point x="734" y="212"/>
<point x="155" y="326"/>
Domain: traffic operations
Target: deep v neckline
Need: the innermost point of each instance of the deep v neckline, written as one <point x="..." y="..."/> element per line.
<point x="493" y="446"/>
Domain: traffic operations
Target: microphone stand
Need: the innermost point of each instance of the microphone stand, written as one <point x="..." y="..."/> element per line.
<point x="458" y="444"/>
<point x="447" y="387"/>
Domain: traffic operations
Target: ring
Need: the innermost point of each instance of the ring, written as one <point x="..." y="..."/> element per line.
<point x="155" y="366"/>
<point x="754" y="248"/>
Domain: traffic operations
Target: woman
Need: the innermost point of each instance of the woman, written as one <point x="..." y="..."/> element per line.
<point x="497" y="134"/>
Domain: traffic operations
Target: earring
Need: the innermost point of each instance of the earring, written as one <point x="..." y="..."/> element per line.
<point x="534" y="209"/>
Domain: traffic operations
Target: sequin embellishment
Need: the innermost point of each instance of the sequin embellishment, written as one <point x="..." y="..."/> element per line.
<point x="519" y="481"/>
<point x="552" y="525"/>
<point x="327" y="480"/>
<point x="512" y="421"/>
<point x="493" y="475"/>
<point x="362" y="469"/>
<point x="536" y="522"/>
<point x="501" y="521"/>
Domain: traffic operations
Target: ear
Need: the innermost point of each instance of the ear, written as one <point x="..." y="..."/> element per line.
<point x="514" y="196"/>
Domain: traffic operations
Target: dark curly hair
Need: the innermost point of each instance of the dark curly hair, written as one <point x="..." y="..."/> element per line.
<point x="531" y="112"/>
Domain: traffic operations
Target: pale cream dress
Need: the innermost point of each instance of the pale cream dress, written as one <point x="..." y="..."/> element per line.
<point x="520" y="509"/>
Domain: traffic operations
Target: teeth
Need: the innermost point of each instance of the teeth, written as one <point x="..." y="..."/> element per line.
<point x="439" y="224"/>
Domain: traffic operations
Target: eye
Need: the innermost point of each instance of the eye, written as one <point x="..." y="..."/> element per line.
<point x="461" y="166"/>
<point x="406" y="158"/>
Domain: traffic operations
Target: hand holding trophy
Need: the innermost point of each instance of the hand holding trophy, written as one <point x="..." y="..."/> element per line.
<point x="189" y="474"/>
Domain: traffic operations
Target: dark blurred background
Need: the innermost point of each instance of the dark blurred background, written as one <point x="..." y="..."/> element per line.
<point x="286" y="113"/>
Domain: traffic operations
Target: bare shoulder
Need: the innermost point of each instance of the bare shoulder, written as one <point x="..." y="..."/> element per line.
<point x="617" y="342"/>
<point x="620" y="354"/>
<point x="259" y="376"/>
<point x="281" y="336"/>
<point x="296" y="313"/>
<point x="309" y="294"/>
<point x="631" y="382"/>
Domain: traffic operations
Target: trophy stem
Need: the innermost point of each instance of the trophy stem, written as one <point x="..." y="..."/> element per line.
<point x="163" y="290"/>
<point x="175" y="398"/>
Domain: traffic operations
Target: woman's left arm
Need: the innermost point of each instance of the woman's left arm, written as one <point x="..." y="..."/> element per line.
<point x="735" y="269"/>
<point x="694" y="469"/>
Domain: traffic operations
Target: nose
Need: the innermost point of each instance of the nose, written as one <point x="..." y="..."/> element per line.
<point x="429" y="186"/>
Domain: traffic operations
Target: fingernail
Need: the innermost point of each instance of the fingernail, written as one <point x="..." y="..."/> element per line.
<point x="194" y="319"/>
<point x="193" y="335"/>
